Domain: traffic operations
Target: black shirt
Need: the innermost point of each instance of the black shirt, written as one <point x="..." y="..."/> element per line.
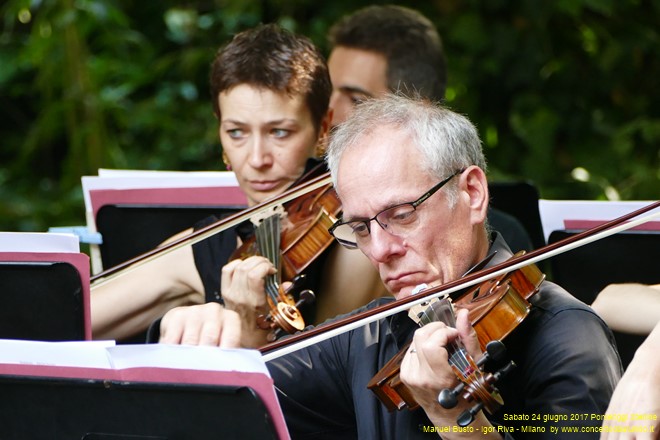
<point x="567" y="365"/>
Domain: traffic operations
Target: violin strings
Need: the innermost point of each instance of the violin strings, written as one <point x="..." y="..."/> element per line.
<point x="457" y="354"/>
<point x="268" y="240"/>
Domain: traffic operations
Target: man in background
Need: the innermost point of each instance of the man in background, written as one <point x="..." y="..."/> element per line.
<point x="383" y="49"/>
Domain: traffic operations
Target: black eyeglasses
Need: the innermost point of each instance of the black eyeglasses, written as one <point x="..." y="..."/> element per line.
<point x="398" y="220"/>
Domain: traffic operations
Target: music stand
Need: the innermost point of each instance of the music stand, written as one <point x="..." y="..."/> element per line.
<point x="129" y="230"/>
<point x="45" y="296"/>
<point x="45" y="402"/>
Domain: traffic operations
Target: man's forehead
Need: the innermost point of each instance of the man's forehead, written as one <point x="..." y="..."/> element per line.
<point x="358" y="69"/>
<point x="378" y="174"/>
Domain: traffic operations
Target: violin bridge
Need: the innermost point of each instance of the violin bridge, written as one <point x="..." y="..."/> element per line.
<point x="277" y="210"/>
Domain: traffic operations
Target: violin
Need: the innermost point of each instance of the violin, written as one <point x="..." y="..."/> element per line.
<point x="495" y="308"/>
<point x="291" y="236"/>
<point x="303" y="233"/>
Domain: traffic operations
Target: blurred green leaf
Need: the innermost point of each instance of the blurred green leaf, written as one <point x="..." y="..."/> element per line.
<point x="552" y="86"/>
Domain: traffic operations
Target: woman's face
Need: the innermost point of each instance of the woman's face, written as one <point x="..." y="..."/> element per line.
<point x="267" y="137"/>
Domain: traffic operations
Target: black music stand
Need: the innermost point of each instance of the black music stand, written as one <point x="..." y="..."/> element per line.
<point x="625" y="257"/>
<point x="129" y="230"/>
<point x="521" y="200"/>
<point x="41" y="407"/>
<point x="44" y="300"/>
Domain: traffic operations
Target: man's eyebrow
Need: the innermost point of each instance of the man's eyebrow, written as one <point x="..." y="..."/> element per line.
<point x="353" y="89"/>
<point x="364" y="218"/>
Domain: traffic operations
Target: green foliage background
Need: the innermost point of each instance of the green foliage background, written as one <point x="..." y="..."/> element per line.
<point x="553" y="86"/>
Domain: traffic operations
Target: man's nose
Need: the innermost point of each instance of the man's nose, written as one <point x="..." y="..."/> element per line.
<point x="340" y="108"/>
<point x="383" y="244"/>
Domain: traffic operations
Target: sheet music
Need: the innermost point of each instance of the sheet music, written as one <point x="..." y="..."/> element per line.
<point x="187" y="357"/>
<point x="38" y="242"/>
<point x="90" y="354"/>
<point x="108" y="355"/>
<point x="556" y="214"/>
<point x="109" y="172"/>
<point x="144" y="179"/>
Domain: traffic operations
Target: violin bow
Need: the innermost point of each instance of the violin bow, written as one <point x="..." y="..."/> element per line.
<point x="210" y="230"/>
<point x="334" y="328"/>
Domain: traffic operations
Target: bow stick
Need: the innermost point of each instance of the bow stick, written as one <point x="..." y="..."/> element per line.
<point x="208" y="231"/>
<point x="335" y="328"/>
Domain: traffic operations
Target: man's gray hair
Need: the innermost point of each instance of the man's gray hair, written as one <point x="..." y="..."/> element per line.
<point x="449" y="142"/>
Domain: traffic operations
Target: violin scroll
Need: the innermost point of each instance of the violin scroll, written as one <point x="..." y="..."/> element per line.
<point x="478" y="386"/>
<point x="284" y="315"/>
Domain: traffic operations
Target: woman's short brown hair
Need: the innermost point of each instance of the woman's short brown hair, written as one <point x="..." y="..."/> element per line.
<point x="273" y="58"/>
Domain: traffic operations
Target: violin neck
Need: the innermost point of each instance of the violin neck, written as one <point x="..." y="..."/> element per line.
<point x="267" y="235"/>
<point x="442" y="310"/>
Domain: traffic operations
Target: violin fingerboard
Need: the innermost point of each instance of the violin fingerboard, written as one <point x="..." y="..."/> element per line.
<point x="267" y="234"/>
<point x="437" y="310"/>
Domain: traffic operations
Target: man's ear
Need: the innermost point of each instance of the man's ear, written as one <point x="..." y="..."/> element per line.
<point x="324" y="130"/>
<point x="476" y="185"/>
<point x="326" y="124"/>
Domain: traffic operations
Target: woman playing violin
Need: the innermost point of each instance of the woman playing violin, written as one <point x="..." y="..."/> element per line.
<point x="414" y="193"/>
<point x="270" y="95"/>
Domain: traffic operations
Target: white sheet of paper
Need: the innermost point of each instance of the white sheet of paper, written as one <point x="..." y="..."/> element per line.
<point x="38" y="242"/>
<point x="108" y="355"/>
<point x="143" y="179"/>
<point x="89" y="354"/>
<point x="187" y="357"/>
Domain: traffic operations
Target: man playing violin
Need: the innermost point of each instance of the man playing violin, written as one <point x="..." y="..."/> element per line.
<point x="411" y="178"/>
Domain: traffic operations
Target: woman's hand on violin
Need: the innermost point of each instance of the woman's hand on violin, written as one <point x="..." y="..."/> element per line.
<point x="425" y="369"/>
<point x="206" y="324"/>
<point x="243" y="284"/>
<point x="243" y="291"/>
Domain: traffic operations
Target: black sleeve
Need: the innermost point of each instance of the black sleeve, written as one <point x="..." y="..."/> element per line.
<point x="210" y="255"/>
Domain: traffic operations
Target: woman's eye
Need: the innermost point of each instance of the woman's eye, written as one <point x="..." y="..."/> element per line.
<point x="235" y="133"/>
<point x="280" y="133"/>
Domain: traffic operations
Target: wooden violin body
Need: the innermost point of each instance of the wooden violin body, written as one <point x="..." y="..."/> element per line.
<point x="498" y="305"/>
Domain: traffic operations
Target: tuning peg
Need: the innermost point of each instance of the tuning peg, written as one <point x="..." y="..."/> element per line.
<point x="305" y="297"/>
<point x="467" y="416"/>
<point x="495" y="350"/>
<point x="504" y="370"/>
<point x="449" y="398"/>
